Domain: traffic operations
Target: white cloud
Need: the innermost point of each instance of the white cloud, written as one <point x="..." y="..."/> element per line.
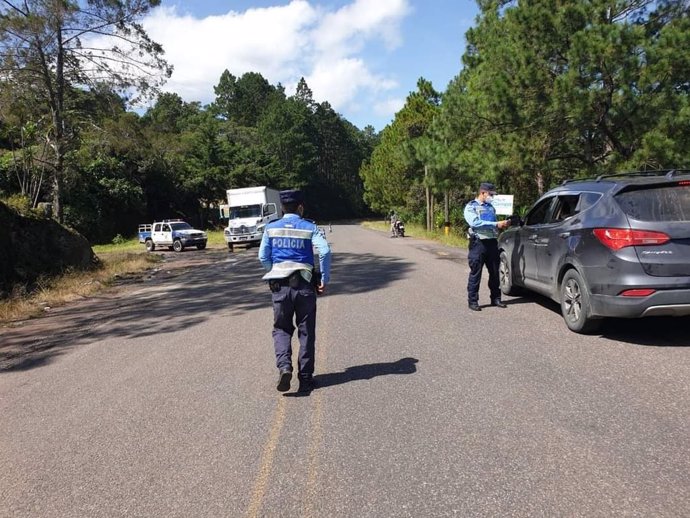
<point x="388" y="107"/>
<point x="283" y="43"/>
<point x="340" y="81"/>
<point x="259" y="40"/>
<point x="347" y="30"/>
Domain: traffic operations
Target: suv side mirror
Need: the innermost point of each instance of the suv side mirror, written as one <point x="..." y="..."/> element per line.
<point x="270" y="209"/>
<point x="516" y="221"/>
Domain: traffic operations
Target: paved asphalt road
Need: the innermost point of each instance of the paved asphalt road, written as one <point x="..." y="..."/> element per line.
<point x="162" y="403"/>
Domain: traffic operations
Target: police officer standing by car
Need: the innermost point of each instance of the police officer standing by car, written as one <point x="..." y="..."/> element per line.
<point x="286" y="251"/>
<point x="483" y="233"/>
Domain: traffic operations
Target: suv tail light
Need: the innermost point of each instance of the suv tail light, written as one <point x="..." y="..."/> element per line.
<point x="638" y="292"/>
<point x="617" y="238"/>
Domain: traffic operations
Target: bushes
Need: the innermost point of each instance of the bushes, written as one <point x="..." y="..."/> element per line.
<point x="19" y="203"/>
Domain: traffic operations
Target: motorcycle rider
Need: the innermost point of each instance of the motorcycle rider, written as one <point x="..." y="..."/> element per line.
<point x="394" y="220"/>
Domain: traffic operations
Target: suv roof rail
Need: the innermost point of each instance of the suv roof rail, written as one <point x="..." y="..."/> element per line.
<point x="668" y="173"/>
<point x="172" y="220"/>
<point x="661" y="172"/>
<point x="593" y="178"/>
<point x="576" y="180"/>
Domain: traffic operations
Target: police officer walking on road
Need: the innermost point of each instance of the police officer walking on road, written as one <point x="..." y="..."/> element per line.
<point x="286" y="251"/>
<point x="481" y="217"/>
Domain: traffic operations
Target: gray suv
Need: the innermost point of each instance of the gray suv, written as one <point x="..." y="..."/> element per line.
<point x="613" y="246"/>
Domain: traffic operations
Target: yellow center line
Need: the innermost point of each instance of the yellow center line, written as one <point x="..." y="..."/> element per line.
<point x="315" y="448"/>
<point x="267" y="461"/>
<point x="315" y="441"/>
<point x="316" y="435"/>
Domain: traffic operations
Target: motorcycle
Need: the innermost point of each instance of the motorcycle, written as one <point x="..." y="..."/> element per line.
<point x="398" y="229"/>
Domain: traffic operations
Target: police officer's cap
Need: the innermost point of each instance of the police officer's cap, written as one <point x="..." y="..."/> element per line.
<point x="292" y="196"/>
<point x="487" y="187"/>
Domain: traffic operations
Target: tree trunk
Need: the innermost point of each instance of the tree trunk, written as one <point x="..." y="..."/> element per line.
<point x="57" y="186"/>
<point x="540" y="183"/>
<point x="59" y="121"/>
<point x="427" y="196"/>
<point x="446" y="212"/>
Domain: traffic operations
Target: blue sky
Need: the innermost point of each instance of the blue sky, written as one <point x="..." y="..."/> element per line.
<point x="362" y="56"/>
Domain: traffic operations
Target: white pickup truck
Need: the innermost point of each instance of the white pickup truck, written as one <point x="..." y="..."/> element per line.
<point x="174" y="234"/>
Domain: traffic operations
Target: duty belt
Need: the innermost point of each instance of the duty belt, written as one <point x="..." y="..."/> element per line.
<point x="293" y="281"/>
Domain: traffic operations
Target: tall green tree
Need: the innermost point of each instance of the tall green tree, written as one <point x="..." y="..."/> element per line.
<point x="304" y="94"/>
<point x="170" y="114"/>
<point x="337" y="188"/>
<point x="553" y="90"/>
<point x="288" y="133"/>
<point x="48" y="45"/>
<point x="244" y="100"/>
<point x="395" y="166"/>
<point x="104" y="183"/>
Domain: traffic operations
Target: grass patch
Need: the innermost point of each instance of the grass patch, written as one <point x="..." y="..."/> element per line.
<point x="419" y="232"/>
<point x="128" y="245"/>
<point x="49" y="292"/>
<point x="215" y="237"/>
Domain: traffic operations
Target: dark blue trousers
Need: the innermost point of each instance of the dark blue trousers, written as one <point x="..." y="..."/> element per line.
<point x="295" y="307"/>
<point x="483" y="252"/>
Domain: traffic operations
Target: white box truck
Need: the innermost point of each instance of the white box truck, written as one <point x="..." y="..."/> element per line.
<point x="248" y="211"/>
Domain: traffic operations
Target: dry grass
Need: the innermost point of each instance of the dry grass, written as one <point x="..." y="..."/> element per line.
<point x="51" y="292"/>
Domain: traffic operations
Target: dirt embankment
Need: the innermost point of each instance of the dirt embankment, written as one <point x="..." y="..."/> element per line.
<point x="31" y="247"/>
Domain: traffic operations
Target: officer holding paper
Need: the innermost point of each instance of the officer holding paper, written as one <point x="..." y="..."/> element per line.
<point x="481" y="218"/>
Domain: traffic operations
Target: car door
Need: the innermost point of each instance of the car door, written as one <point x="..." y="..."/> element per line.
<point x="166" y="234"/>
<point x="528" y="238"/>
<point x="156" y="233"/>
<point x="551" y="241"/>
<point x="162" y="234"/>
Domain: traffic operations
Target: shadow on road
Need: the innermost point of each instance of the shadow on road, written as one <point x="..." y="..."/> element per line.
<point x="360" y="372"/>
<point x="366" y="372"/>
<point x="650" y="331"/>
<point x="227" y="284"/>
<point x="359" y="273"/>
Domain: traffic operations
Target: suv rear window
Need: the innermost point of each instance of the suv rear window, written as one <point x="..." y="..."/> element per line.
<point x="671" y="203"/>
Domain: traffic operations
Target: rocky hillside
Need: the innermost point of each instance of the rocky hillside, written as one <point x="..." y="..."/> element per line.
<point x="34" y="246"/>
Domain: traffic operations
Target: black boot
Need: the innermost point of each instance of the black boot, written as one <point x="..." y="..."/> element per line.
<point x="306" y="383"/>
<point x="284" y="378"/>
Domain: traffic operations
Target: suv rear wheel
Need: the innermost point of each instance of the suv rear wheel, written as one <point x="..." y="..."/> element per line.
<point x="150" y="246"/>
<point x="575" y="306"/>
